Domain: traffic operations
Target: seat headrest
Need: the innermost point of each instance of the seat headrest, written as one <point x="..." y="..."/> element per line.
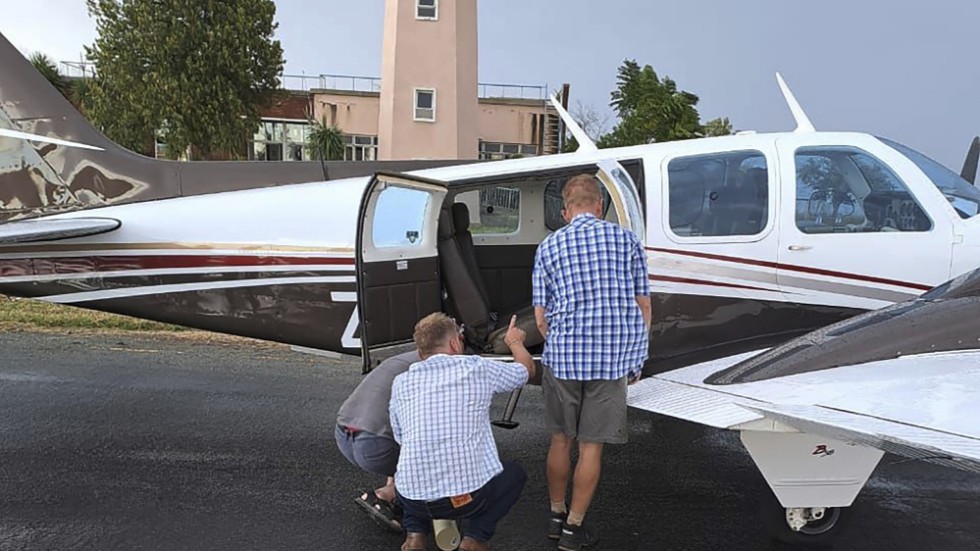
<point x="461" y="217"/>
<point x="445" y="224"/>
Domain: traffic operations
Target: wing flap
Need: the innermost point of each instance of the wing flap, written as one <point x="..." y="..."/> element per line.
<point x="708" y="407"/>
<point x="912" y="441"/>
<point x="46" y="229"/>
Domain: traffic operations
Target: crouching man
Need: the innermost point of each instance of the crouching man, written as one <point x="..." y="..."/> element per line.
<point x="440" y="414"/>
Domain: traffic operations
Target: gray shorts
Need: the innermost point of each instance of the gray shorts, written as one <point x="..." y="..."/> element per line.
<point x="588" y="411"/>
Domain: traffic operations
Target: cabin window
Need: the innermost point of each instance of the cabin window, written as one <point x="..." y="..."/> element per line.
<point x="721" y="194"/>
<point x="494" y="210"/>
<point x="846" y="190"/>
<point x="399" y="216"/>
<point x="425" y="104"/>
<point x="427" y="9"/>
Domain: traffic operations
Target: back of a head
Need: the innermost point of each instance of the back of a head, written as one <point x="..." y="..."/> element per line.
<point x="582" y="192"/>
<point x="433" y="332"/>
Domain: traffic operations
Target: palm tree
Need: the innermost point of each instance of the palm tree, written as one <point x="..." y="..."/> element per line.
<point x="717" y="127"/>
<point x="46" y="66"/>
<point x="325" y="141"/>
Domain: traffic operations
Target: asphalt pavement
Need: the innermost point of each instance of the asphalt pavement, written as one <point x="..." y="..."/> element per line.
<point x="153" y="443"/>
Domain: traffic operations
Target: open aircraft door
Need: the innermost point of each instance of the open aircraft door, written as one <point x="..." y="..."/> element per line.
<point x="624" y="197"/>
<point x="397" y="259"/>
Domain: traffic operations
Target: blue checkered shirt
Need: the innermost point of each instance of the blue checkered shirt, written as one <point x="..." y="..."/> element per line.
<point x="440" y="414"/>
<point x="587" y="276"/>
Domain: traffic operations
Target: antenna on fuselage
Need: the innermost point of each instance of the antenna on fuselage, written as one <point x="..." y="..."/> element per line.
<point x="585" y="143"/>
<point x="803" y="123"/>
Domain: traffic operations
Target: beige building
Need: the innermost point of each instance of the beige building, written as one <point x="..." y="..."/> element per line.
<point x="427" y="104"/>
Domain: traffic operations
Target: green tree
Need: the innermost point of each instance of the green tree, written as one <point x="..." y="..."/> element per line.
<point x="324" y="141"/>
<point x="650" y="109"/>
<point x="717" y="127"/>
<point x="196" y="70"/>
<point x="46" y="66"/>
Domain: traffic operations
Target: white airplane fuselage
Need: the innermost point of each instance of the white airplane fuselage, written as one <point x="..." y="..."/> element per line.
<point x="279" y="263"/>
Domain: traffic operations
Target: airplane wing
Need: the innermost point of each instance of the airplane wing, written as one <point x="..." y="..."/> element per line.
<point x="924" y="407"/>
<point x="48" y="229"/>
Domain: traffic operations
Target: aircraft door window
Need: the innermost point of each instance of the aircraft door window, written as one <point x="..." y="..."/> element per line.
<point x="493" y="211"/>
<point x="399" y="217"/>
<point x="720" y="194"/>
<point x="846" y="190"/>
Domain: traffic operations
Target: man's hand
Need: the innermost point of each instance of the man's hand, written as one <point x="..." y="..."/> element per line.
<point x="514" y="336"/>
<point x="514" y="339"/>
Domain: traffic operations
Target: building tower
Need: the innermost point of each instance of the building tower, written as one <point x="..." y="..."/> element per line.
<point x="429" y="80"/>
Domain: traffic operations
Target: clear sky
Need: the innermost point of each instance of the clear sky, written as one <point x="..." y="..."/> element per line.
<point x="906" y="69"/>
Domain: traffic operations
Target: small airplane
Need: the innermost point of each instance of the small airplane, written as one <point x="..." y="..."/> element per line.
<point x="817" y="413"/>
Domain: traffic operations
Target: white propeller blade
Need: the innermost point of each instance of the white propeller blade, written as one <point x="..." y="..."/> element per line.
<point x="7" y="133"/>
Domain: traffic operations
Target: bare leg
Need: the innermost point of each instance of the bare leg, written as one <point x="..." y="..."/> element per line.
<point x="586" y="476"/>
<point x="559" y="466"/>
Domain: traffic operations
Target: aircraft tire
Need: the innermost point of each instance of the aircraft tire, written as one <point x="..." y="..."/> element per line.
<point x="816" y="534"/>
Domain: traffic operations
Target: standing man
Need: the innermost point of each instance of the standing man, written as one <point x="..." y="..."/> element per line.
<point x="440" y="413"/>
<point x="592" y="304"/>
<point x="365" y="438"/>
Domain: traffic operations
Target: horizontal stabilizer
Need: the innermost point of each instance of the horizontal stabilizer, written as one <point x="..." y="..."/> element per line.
<point x="916" y="442"/>
<point x="708" y="407"/>
<point x="46" y="229"/>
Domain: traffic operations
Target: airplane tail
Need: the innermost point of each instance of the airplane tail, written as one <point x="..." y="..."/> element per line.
<point x="40" y="178"/>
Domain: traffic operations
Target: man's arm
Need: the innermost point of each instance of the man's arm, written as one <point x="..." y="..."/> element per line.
<point x="541" y="321"/>
<point x="643" y="301"/>
<point x="514" y="339"/>
<point x="539" y="288"/>
<point x="641" y="282"/>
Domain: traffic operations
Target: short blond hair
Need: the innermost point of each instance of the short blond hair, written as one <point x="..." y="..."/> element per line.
<point x="582" y="191"/>
<point x="432" y="332"/>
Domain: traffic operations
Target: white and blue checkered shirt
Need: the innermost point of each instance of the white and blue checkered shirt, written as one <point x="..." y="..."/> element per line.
<point x="440" y="414"/>
<point x="587" y="276"/>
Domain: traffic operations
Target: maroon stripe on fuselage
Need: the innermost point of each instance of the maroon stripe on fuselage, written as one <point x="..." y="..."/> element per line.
<point x="794" y="268"/>
<point x="109" y="263"/>
<point x="671" y="279"/>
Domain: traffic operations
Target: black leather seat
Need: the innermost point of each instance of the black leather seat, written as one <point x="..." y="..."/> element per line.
<point x="464" y="239"/>
<point x="468" y="298"/>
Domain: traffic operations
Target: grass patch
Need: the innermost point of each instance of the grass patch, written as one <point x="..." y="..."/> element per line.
<point x="37" y="314"/>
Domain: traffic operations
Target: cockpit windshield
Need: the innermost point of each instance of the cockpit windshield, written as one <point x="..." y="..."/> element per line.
<point x="964" y="197"/>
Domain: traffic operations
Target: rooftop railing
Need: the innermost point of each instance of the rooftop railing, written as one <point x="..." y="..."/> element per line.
<point x="351" y="83"/>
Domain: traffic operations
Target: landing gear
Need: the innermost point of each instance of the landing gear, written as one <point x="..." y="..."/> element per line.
<point x="807" y="526"/>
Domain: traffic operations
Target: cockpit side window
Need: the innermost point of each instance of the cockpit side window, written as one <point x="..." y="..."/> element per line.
<point x="964" y="197"/>
<point x="846" y="190"/>
<point x="720" y="194"/>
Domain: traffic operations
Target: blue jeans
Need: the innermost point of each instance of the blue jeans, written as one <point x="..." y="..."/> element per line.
<point x="490" y="504"/>
<point x="372" y="453"/>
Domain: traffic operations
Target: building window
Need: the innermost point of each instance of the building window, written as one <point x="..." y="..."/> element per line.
<point x="279" y="141"/>
<point x="427" y="9"/>
<point x="360" y="148"/>
<point x="492" y="151"/>
<point x="845" y="190"/>
<point x="425" y="104"/>
<point x="721" y="194"/>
